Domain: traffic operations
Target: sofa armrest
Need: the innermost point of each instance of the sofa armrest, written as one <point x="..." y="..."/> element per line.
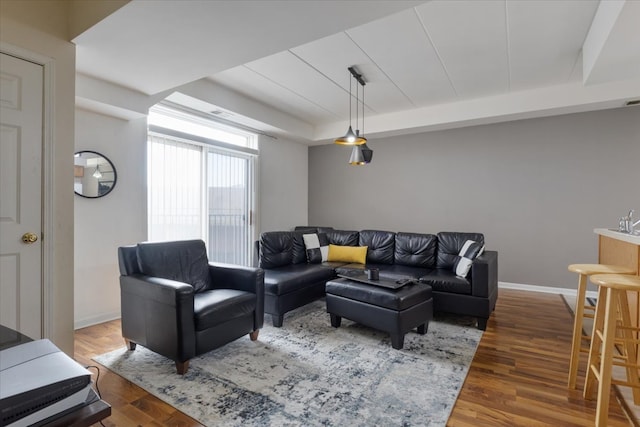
<point x="248" y="279"/>
<point x="484" y="274"/>
<point x="158" y="313"/>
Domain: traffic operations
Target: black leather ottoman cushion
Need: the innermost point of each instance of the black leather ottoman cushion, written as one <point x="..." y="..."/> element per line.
<point x="444" y="280"/>
<point x="282" y="280"/>
<point x="399" y="299"/>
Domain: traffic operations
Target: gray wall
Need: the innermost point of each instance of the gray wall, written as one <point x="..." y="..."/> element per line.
<point x="283" y="184"/>
<point x="536" y="188"/>
<point x="119" y="218"/>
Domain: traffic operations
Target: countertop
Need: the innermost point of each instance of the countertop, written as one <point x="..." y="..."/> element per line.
<point x="634" y="239"/>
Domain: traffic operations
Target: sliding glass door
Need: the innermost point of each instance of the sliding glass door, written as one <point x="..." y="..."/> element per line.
<point x="198" y="191"/>
<point x="229" y="199"/>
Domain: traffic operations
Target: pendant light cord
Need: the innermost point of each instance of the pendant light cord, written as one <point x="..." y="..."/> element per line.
<point x="357" y="109"/>
<point x="350" y="98"/>
<point x="363" y="111"/>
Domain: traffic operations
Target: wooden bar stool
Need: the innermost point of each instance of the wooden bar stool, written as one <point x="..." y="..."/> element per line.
<point x="612" y="331"/>
<point x="584" y="271"/>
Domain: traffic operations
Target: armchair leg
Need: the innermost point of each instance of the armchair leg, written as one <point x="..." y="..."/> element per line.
<point x="182" y="367"/>
<point x="254" y="335"/>
<point x="130" y="344"/>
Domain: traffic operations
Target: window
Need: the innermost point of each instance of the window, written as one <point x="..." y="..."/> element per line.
<point x="199" y="187"/>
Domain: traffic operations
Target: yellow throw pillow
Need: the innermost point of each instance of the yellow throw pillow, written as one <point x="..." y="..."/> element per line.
<point x="357" y="254"/>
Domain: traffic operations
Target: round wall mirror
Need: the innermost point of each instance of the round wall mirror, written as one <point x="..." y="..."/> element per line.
<point x="94" y="174"/>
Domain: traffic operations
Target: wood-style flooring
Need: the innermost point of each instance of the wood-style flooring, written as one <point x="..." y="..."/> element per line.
<point x="518" y="376"/>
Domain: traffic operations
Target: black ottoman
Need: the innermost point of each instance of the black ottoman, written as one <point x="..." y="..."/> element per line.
<point x="396" y="311"/>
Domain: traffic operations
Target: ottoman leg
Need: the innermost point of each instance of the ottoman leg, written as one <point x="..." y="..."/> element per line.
<point x="422" y="329"/>
<point x="397" y="341"/>
<point x="335" y="320"/>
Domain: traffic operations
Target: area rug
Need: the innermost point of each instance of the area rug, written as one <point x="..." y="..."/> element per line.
<point x="308" y="373"/>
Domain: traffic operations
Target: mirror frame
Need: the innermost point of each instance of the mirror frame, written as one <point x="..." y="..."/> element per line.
<point x="115" y="174"/>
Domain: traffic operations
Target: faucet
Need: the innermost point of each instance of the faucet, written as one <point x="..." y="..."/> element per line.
<point x="626" y="223"/>
<point x="632" y="224"/>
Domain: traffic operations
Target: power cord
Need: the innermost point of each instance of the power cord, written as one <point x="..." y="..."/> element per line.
<point x="97" y="388"/>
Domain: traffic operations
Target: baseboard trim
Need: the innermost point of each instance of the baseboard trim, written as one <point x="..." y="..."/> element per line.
<point x="94" y="320"/>
<point x="544" y="289"/>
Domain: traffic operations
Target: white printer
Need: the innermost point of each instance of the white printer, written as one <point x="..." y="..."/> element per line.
<point x="38" y="381"/>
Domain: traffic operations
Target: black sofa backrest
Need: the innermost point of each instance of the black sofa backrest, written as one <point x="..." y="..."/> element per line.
<point x="381" y="246"/>
<point x="276" y="249"/>
<point x="343" y="237"/>
<point x="281" y="248"/>
<point x="416" y="250"/>
<point x="449" y="245"/>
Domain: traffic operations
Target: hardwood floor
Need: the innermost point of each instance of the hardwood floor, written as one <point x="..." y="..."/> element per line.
<point x="518" y="376"/>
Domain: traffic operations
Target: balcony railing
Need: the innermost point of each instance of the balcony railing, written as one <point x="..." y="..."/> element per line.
<point x="229" y="238"/>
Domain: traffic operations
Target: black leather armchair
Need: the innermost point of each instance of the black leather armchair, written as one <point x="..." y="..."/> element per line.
<point x="177" y="304"/>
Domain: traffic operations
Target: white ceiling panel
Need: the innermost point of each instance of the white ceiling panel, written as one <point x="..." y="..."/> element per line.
<point x="474" y="51"/>
<point x="289" y="71"/>
<point x="255" y="86"/>
<point x="545" y="39"/>
<point x="399" y="45"/>
<point x="333" y="55"/>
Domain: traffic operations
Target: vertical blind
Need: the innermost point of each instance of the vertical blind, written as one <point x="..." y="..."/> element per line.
<point x="174" y="171"/>
<point x="228" y="210"/>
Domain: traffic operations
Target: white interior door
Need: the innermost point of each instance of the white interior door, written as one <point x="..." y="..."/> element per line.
<point x="21" y="120"/>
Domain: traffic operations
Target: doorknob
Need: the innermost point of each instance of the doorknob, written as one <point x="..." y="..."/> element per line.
<point x="29" y="238"/>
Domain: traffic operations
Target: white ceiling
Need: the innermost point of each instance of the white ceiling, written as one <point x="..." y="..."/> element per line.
<point x="427" y="65"/>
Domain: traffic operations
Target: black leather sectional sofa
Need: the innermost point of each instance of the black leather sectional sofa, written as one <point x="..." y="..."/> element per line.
<point x="291" y="282"/>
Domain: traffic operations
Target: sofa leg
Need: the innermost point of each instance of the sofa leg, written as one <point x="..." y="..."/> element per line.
<point x="277" y="320"/>
<point x="182" y="367"/>
<point x="130" y="344"/>
<point x="482" y="323"/>
<point x="335" y="320"/>
<point x="397" y="341"/>
<point x="254" y="334"/>
<point x="422" y="329"/>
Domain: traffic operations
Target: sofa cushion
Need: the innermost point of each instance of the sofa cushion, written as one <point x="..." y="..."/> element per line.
<point x="213" y="307"/>
<point x="182" y="260"/>
<point x="416" y="250"/>
<point x="276" y="249"/>
<point x="355" y="254"/>
<point x="290" y="278"/>
<point x="444" y="280"/>
<point x="450" y="244"/>
<point x="343" y="237"/>
<point x="299" y="252"/>
<point x="380" y="244"/>
<point x="317" y="247"/>
<point x="470" y="251"/>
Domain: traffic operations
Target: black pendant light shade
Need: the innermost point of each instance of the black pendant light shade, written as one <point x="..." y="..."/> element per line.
<point x="367" y="153"/>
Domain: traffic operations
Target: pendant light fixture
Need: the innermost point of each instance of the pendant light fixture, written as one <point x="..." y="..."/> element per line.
<point x="97" y="174"/>
<point x="351" y="137"/>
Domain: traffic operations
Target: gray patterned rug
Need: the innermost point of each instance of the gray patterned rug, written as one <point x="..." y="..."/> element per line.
<point x="308" y="373"/>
